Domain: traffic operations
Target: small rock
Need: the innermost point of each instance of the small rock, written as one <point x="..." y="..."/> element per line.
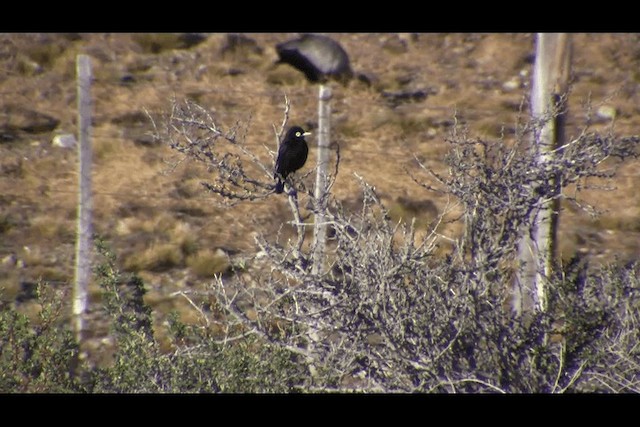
<point x="233" y="71"/>
<point x="65" y="140"/>
<point x="7" y="135"/>
<point x="607" y="112"/>
<point x="511" y="84"/>
<point x="127" y="79"/>
<point x="10" y="260"/>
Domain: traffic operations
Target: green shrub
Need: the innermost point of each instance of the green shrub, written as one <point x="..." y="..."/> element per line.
<point x="42" y="356"/>
<point x="39" y="356"/>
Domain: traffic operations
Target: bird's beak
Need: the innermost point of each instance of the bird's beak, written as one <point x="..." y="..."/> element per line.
<point x="306" y="133"/>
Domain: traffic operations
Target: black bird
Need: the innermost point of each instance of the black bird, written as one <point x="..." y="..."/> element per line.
<point x="318" y="57"/>
<point x="292" y="155"/>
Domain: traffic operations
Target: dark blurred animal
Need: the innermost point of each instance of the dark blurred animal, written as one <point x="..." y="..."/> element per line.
<point x="318" y="57"/>
<point x="292" y="155"/>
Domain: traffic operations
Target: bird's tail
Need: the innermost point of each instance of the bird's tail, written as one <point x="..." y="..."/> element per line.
<point x="279" y="186"/>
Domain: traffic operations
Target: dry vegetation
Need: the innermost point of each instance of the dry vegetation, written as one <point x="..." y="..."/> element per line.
<point x="162" y="223"/>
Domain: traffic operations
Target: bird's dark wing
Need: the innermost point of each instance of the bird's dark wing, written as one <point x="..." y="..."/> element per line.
<point x="282" y="163"/>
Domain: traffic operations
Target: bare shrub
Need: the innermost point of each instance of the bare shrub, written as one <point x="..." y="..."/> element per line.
<point x="387" y="314"/>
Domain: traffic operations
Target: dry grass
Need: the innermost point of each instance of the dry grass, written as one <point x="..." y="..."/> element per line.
<point x="158" y="258"/>
<point x="52" y="228"/>
<point x="207" y="263"/>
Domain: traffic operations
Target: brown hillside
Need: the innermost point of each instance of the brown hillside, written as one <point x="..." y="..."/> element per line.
<point x="161" y="222"/>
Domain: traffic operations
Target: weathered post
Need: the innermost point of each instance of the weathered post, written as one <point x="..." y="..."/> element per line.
<point x="83" y="238"/>
<point x="324" y="132"/>
<point x="538" y="245"/>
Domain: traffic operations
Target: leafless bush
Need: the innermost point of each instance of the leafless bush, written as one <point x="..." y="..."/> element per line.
<point x="388" y="315"/>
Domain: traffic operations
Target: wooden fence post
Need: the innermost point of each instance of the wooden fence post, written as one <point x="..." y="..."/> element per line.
<point x="538" y="245"/>
<point x="324" y="132"/>
<point x="84" y="231"/>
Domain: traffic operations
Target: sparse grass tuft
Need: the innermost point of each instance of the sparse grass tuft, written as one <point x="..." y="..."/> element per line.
<point x="51" y="227"/>
<point x="105" y="148"/>
<point x="158" y="257"/>
<point x="207" y="263"/>
<point x="183" y="236"/>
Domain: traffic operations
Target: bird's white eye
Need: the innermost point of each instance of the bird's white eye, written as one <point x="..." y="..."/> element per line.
<point x="298" y="134"/>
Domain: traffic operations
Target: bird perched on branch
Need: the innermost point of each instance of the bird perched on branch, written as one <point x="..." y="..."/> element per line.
<point x="318" y="57"/>
<point x="292" y="155"/>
